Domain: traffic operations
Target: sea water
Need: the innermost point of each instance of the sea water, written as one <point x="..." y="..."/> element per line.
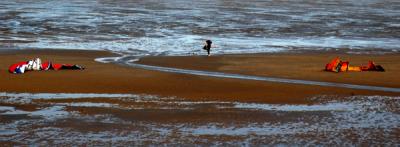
<point x="178" y="27"/>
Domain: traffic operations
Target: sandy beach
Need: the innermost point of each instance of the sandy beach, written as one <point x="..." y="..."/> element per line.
<point x="143" y="104"/>
<point x="149" y="82"/>
<point x="111" y="78"/>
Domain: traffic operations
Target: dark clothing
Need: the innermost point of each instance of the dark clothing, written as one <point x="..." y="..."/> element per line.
<point x="208" y="46"/>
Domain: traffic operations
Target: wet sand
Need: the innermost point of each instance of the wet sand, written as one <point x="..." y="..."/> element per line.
<point x="111" y="78"/>
<point x="152" y="108"/>
<point x="305" y="66"/>
<point x="180" y="109"/>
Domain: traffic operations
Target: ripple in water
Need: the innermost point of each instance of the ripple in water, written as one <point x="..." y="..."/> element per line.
<point x="178" y="27"/>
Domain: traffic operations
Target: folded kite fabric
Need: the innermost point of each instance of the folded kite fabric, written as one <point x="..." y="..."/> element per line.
<point x="37" y="64"/>
<point x="336" y="65"/>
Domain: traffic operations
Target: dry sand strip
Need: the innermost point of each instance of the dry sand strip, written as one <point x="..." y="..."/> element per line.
<point x="260" y="78"/>
<point x="303" y="66"/>
<point x="112" y="78"/>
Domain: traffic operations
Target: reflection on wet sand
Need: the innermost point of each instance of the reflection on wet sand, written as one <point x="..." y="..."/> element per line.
<point x="120" y="119"/>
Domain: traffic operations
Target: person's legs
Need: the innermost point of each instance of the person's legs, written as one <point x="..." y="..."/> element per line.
<point x="207" y="46"/>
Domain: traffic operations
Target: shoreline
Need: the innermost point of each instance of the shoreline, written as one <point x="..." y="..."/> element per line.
<point x="113" y="78"/>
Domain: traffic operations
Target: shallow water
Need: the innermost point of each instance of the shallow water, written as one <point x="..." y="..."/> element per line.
<point x="104" y="119"/>
<point x="178" y="27"/>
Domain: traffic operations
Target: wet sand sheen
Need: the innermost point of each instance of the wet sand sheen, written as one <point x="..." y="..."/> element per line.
<point x="261" y="78"/>
<point x="306" y="66"/>
<point x="82" y="119"/>
<point x="115" y="104"/>
<point x="111" y="78"/>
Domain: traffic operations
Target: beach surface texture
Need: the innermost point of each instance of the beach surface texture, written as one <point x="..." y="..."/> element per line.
<point x="148" y="81"/>
<point x="134" y="105"/>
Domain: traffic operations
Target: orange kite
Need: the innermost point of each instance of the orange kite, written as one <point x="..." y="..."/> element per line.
<point x="336" y="65"/>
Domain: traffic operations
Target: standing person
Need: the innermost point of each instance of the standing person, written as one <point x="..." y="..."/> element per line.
<point x="207" y="46"/>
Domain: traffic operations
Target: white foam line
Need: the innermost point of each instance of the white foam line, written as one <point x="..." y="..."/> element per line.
<point x="48" y="113"/>
<point x="263" y="107"/>
<point x="270" y="107"/>
<point x="88" y="104"/>
<point x="51" y="112"/>
<point x="261" y="78"/>
<point x="164" y="104"/>
<point x="105" y="59"/>
<point x="7" y="108"/>
<point x="28" y="97"/>
<point x="168" y="104"/>
<point x="187" y="44"/>
<point x="63" y="95"/>
<point x="183" y="102"/>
